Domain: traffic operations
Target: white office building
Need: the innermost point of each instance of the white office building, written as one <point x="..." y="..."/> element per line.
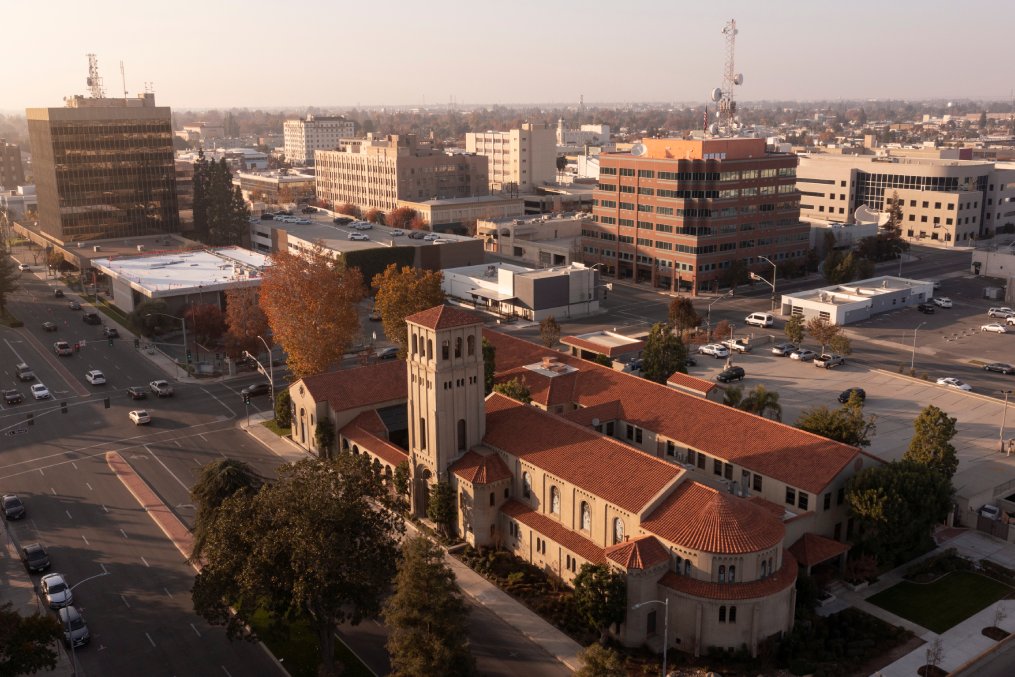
<point x="303" y="136"/>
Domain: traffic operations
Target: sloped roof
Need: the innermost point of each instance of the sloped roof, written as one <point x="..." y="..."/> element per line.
<point x="554" y="531"/>
<point x="701" y="518"/>
<point x="368" y="431"/>
<point x="690" y="382"/>
<point x="374" y="384"/>
<point x="607" y="411"/>
<point x="811" y="549"/>
<point x="601" y="348"/>
<point x="640" y="553"/>
<point x="600" y="465"/>
<point x="782" y="579"/>
<point x="479" y="468"/>
<point x="444" y="317"/>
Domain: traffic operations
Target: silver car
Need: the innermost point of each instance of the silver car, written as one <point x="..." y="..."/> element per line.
<point x="75" y="630"/>
<point x="57" y="591"/>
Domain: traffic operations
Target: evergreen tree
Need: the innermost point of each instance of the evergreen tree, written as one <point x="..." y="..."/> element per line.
<point x="664" y="354"/>
<point x="201" y="197"/>
<point x="9" y="275"/>
<point x="931" y="444"/>
<point x="489" y="366"/>
<point x="515" y="389"/>
<point x="600" y="594"/>
<point x="441" y="510"/>
<point x="549" y="331"/>
<point x="845" y="424"/>
<point x="426" y="616"/>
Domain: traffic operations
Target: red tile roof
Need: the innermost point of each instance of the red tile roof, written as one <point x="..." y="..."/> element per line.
<point x="554" y="531"/>
<point x="690" y="382"/>
<point x="600" y="349"/>
<point x="641" y="553"/>
<point x="798" y="458"/>
<point x="371" y="385"/>
<point x="777" y="510"/>
<point x="444" y="317"/>
<point x="607" y="411"/>
<point x="813" y="549"/>
<point x="479" y="468"/>
<point x="785" y="577"/>
<point x="368" y="432"/>
<point x="701" y="518"/>
<point x="603" y="466"/>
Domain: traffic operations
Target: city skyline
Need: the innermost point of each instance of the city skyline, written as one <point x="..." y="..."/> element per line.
<point x="202" y="56"/>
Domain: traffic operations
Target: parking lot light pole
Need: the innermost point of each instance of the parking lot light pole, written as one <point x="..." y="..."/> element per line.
<point x="772" y="283"/>
<point x="912" y="357"/>
<point x="708" y="314"/>
<point x="271" y="370"/>
<point x="666" y="624"/>
<point x="1004" y="417"/>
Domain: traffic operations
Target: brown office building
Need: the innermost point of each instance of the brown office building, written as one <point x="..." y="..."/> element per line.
<point x="679" y="214"/>
<point x="104" y="168"/>
<point x="12" y="172"/>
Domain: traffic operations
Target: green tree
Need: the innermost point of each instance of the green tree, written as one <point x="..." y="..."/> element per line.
<point x="401" y="478"/>
<point x="603" y="360"/>
<point x="549" y="331"/>
<point x="663" y="355"/>
<point x="515" y="389"/>
<point x="441" y="508"/>
<point x="846" y="424"/>
<point x="600" y="661"/>
<point x="896" y="505"/>
<point x="794" y="329"/>
<point x="216" y="482"/>
<point x="320" y="543"/>
<point x="763" y="402"/>
<point x="9" y="276"/>
<point x="931" y="445"/>
<point x="27" y="643"/>
<point x="682" y="315"/>
<point x="733" y="396"/>
<point x="822" y="331"/>
<point x="324" y="435"/>
<point x="401" y="293"/>
<point x="200" y="188"/>
<point x="426" y="616"/>
<point x="283" y="409"/>
<point x="489" y="366"/>
<point x="600" y="594"/>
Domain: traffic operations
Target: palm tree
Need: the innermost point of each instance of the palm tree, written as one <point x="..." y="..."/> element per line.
<point x="218" y="481"/>
<point x="734" y="396"/>
<point x="763" y="402"/>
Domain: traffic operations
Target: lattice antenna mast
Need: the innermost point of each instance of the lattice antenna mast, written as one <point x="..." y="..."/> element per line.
<point x="94" y="81"/>
<point x="730" y="79"/>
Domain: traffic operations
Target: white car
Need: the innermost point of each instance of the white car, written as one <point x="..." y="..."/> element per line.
<point x="57" y="591"/>
<point x="995" y="328"/>
<point x="716" y="350"/>
<point x="95" y="377"/>
<point x="396" y="232"/>
<point x="40" y="392"/>
<point x="942" y="302"/>
<point x="1003" y="311"/>
<point x="140" y="416"/>
<point x="24" y="266"/>
<point x="358" y="236"/>
<point x="431" y="237"/>
<point x="954" y="383"/>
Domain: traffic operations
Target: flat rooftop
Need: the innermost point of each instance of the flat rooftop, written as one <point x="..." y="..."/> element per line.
<point x="336" y="237"/>
<point x="180" y="272"/>
<point x="607" y="339"/>
<point x="860" y="290"/>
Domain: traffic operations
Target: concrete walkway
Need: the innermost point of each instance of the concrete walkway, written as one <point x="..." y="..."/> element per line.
<point x="507" y="608"/>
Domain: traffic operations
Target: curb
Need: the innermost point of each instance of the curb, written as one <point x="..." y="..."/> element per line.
<point x="971" y="663"/>
<point x="981" y="396"/>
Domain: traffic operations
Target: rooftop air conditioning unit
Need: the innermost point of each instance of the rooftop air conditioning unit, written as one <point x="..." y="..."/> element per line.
<point x="96" y="248"/>
<point x="140" y="248"/>
<point x="81" y="244"/>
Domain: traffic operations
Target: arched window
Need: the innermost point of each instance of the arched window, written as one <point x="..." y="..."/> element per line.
<point x="722" y="614"/>
<point x="555" y="500"/>
<point x="687" y="567"/>
<point x="458" y="346"/>
<point x="461" y="435"/>
<point x="733" y="614"/>
<point x="526" y="484"/>
<point x="764" y="568"/>
<point x="733" y="574"/>
<point x="415" y="345"/>
<point x="618" y="530"/>
<point x="470" y="344"/>
<point x="586" y="516"/>
<point x="445" y="350"/>
<point x="771" y="569"/>
<point x="677" y="565"/>
<point x="722" y="573"/>
<point x="429" y="349"/>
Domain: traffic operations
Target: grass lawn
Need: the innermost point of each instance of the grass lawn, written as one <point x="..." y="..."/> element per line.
<point x="942" y="604"/>
<point x="298" y="650"/>
<point x="273" y="427"/>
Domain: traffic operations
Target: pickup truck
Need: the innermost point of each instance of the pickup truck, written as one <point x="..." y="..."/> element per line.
<point x="739" y="345"/>
<point x="161" y="388"/>
<point x="827" y="361"/>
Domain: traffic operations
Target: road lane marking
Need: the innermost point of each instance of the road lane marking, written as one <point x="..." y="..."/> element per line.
<point x="125" y="602"/>
<point x="170" y="596"/>
<point x="52" y="491"/>
<point x="195" y="630"/>
<point x="68" y="514"/>
<point x="105" y="509"/>
<point x="228" y="674"/>
<point x="74" y="464"/>
<point x="85" y="540"/>
<point x="124" y="533"/>
<point x="177" y="443"/>
<point x="227" y="407"/>
<point x="150" y="638"/>
<point x="201" y="435"/>
<point x="87" y="484"/>
<point x="178" y="480"/>
<point x="103" y="567"/>
<point x="145" y="562"/>
<point x="20" y="359"/>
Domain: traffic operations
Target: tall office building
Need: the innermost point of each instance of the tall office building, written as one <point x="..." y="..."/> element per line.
<point x="678" y="213"/>
<point x="520" y="159"/>
<point x="104" y="168"/>
<point x="303" y="136"/>
<point x="12" y="172"/>
<point x="377" y="172"/>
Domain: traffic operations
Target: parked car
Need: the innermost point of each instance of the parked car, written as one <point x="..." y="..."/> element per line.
<point x="111" y="332"/>
<point x="23" y="267"/>
<point x="75" y="630"/>
<point x="952" y="382"/>
<point x="431" y="236"/>
<point x="74" y="305"/>
<point x="161" y="388"/>
<point x="396" y="233"/>
<point x="342" y="220"/>
<point x="389" y="353"/>
<point x="829" y="360"/>
<point x="731" y="374"/>
<point x="358" y="236"/>
<point x="40" y="392"/>
<point x="49" y="326"/>
<point x="91" y="318"/>
<point x="994" y="328"/>
<point x="58" y="293"/>
<point x="1010" y="320"/>
<point x="991" y="512"/>
<point x="14" y="509"/>
<point x="803" y="354"/>
<point x="1003" y="311"/>
<point x="13" y="397"/>
<point x="942" y="302"/>
<point x="1000" y="367"/>
<point x="56" y="591"/>
<point x="739" y="345"/>
<point x="690" y="362"/>
<point x="139" y="417"/>
<point x="257" y="389"/>
<point x="95" y="377"/>
<point x="784" y="349"/>
<point x="716" y="350"/>
<point x="136" y="393"/>
<point x="35" y="557"/>
<point x="760" y="319"/>
<point x="63" y="348"/>
<point x="416" y="235"/>
<point x="846" y="394"/>
<point x="926" y="308"/>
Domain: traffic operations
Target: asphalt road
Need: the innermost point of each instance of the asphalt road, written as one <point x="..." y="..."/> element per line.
<point x="138" y="605"/>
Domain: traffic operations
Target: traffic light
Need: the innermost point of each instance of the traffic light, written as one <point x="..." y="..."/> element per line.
<point x="188" y="355"/>
<point x="110" y="341"/>
<point x="137" y="343"/>
<point x="246" y="398"/>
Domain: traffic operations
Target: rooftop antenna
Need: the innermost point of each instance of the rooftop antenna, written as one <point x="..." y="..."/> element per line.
<point x="123" y="79"/>
<point x="94" y="81"/>
<point x="728" y="121"/>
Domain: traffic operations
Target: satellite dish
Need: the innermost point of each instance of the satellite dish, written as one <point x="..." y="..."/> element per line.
<point x="713" y="129"/>
<point x="738" y="79"/>
<point x="638" y="149"/>
<point x="716" y="94"/>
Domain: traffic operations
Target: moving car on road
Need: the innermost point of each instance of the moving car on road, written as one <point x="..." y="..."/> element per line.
<point x="74" y="305"/>
<point x="136" y="393"/>
<point x="40" y="392"/>
<point x="829" y="360"/>
<point x="730" y="375"/>
<point x="58" y="293"/>
<point x="13" y="397"/>
<point x="256" y="389"/>
<point x="23" y="267"/>
<point x="161" y="388"/>
<point x="846" y="394"/>
<point x="95" y="377"/>
<point x="952" y="382"/>
<point x="111" y="332"/>
<point x="358" y="236"/>
<point x="49" y="326"/>
<point x="56" y="591"/>
<point x="91" y="318"/>
<point x="24" y="372"/>
<point x="1000" y="367"/>
<point x="63" y="348"/>
<point x="140" y="417"/>
<point x="994" y="328"/>
<point x="389" y="353"/>
<point x="35" y="557"/>
<point x="14" y="509"/>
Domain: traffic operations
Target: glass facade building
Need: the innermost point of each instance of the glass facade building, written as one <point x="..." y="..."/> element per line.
<point x="104" y="168"/>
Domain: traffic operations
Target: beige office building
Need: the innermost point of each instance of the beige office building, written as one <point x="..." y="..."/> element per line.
<point x="302" y="137"/>
<point x="520" y="159"/>
<point x="377" y="172"/>
<point x="944" y="202"/>
<point x="12" y="172"/>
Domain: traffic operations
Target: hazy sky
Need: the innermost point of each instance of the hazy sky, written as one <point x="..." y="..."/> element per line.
<point x="224" y="53"/>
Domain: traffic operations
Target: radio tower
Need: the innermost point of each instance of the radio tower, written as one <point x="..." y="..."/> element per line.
<point x="727" y="123"/>
<point x="94" y="81"/>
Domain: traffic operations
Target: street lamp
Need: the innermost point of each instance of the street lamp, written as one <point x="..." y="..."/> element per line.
<point x="271" y="367"/>
<point x="775" y="270"/>
<point x="1004" y="417"/>
<point x="666" y="623"/>
<point x="912" y="357"/>
<point x="708" y="315"/>
<point x="182" y="322"/>
<point x="73" y="653"/>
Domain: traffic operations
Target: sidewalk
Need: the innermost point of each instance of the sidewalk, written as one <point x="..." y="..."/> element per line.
<point x="508" y="609"/>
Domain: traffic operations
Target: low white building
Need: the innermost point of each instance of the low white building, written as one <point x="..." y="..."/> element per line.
<point x="543" y="240"/>
<point x="857" y="301"/>
<point x="516" y="291"/>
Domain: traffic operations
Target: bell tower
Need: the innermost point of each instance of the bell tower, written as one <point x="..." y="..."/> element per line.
<point x="446" y="411"/>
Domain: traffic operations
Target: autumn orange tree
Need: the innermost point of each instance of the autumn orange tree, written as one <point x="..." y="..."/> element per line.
<point x="310" y="302"/>
<point x="245" y="321"/>
<point x="348" y="208"/>
<point x="418" y="223"/>
<point x="206" y="322"/>
<point x="374" y="216"/>
<point x="400" y="217"/>
<point x="401" y="293"/>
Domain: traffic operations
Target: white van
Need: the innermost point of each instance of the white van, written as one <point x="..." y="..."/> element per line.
<point x="760" y="319"/>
